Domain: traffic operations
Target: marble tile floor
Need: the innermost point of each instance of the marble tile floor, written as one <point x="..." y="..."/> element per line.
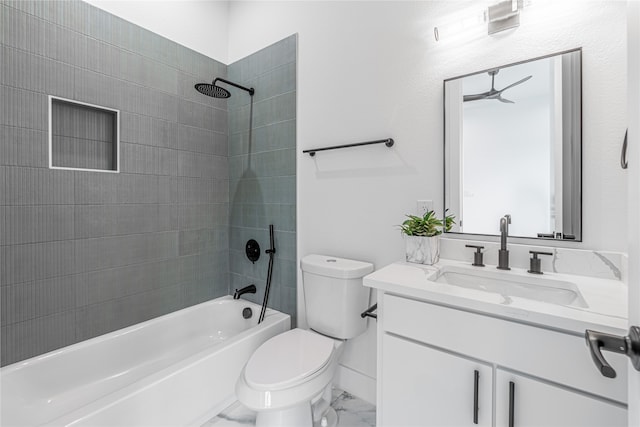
<point x="352" y="412"/>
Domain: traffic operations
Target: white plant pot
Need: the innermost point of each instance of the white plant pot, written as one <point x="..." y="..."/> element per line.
<point x="422" y="250"/>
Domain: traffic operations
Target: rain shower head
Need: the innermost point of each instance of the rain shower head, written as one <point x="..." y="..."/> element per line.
<point x="212" y="90"/>
<point x="218" y="92"/>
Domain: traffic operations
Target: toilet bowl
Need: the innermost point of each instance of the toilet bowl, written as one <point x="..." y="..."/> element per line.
<point x="287" y="380"/>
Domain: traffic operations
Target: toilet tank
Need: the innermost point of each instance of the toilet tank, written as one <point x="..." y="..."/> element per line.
<point x="334" y="295"/>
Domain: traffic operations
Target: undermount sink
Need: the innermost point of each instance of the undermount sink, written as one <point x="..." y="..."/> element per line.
<point x="511" y="284"/>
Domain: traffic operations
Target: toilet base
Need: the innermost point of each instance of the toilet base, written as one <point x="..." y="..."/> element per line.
<point x="295" y="416"/>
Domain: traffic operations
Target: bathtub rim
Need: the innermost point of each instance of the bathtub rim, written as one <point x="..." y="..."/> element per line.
<point x="5" y="370"/>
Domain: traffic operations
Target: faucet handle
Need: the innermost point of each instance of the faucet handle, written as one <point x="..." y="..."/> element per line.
<point x="534" y="262"/>
<point x="508" y="218"/>
<point x="477" y="256"/>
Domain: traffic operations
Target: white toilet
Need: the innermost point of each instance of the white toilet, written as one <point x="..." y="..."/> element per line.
<point x="288" y="378"/>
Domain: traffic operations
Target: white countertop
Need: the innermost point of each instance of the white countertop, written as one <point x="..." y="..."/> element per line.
<point x="606" y="299"/>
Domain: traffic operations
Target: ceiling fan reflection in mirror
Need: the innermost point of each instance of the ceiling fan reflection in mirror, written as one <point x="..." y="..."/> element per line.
<point x="494" y="93"/>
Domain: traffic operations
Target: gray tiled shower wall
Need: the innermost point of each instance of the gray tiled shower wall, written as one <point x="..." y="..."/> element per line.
<point x="262" y="167"/>
<point x="84" y="253"/>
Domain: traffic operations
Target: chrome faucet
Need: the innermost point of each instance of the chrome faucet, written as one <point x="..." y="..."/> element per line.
<point x="251" y="289"/>
<point x="503" y="253"/>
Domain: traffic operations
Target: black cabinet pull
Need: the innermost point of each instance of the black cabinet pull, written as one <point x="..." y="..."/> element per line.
<point x="623" y="155"/>
<point x="512" y="392"/>
<point x="476" y="378"/>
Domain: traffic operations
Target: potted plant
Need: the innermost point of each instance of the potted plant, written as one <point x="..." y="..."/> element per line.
<point x="421" y="235"/>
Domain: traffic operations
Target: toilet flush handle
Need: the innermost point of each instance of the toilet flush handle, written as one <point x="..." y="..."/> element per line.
<point x="369" y="312"/>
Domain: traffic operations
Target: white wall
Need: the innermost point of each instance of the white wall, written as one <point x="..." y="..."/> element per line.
<point x="200" y="25"/>
<point x="370" y="70"/>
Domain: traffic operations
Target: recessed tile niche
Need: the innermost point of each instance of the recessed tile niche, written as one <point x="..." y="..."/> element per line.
<point x="83" y="136"/>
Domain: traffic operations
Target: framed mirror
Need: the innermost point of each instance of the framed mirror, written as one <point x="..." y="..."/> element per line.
<point x="513" y="145"/>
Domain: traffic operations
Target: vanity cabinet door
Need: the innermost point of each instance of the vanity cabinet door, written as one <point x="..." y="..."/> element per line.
<point x="526" y="402"/>
<point x="422" y="386"/>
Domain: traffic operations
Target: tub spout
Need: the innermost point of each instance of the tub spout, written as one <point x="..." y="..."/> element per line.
<point x="251" y="289"/>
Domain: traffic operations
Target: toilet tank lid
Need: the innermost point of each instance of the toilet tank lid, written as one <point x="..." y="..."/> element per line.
<point x="332" y="266"/>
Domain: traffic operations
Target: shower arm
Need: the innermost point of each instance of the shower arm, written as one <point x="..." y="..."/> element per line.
<point x="250" y="89"/>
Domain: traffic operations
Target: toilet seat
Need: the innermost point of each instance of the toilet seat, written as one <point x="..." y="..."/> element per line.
<point x="283" y="372"/>
<point x="288" y="359"/>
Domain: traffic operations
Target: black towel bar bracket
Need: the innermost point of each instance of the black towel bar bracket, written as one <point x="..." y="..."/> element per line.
<point x="369" y="312"/>
<point x="388" y="142"/>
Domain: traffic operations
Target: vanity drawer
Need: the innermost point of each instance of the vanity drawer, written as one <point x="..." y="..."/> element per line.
<point x="554" y="356"/>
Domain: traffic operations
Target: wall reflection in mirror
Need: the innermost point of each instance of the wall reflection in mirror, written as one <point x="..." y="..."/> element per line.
<point x="513" y="146"/>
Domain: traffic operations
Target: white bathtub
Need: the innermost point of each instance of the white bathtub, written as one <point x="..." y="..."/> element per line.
<point x="176" y="370"/>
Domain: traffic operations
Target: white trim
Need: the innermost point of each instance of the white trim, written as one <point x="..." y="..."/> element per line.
<point x="84" y="169"/>
<point x="50" y="136"/>
<point x="73" y="101"/>
<point x="633" y="201"/>
<point x="86" y="104"/>
<point x="356" y="383"/>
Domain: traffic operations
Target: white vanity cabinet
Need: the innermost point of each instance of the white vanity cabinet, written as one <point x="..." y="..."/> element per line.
<point x="424" y="386"/>
<point x="537" y="403"/>
<point x="428" y="356"/>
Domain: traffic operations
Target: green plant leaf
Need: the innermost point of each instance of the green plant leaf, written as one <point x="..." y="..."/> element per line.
<point x="427" y="225"/>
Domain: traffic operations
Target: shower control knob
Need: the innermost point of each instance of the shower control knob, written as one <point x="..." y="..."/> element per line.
<point x="252" y="249"/>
